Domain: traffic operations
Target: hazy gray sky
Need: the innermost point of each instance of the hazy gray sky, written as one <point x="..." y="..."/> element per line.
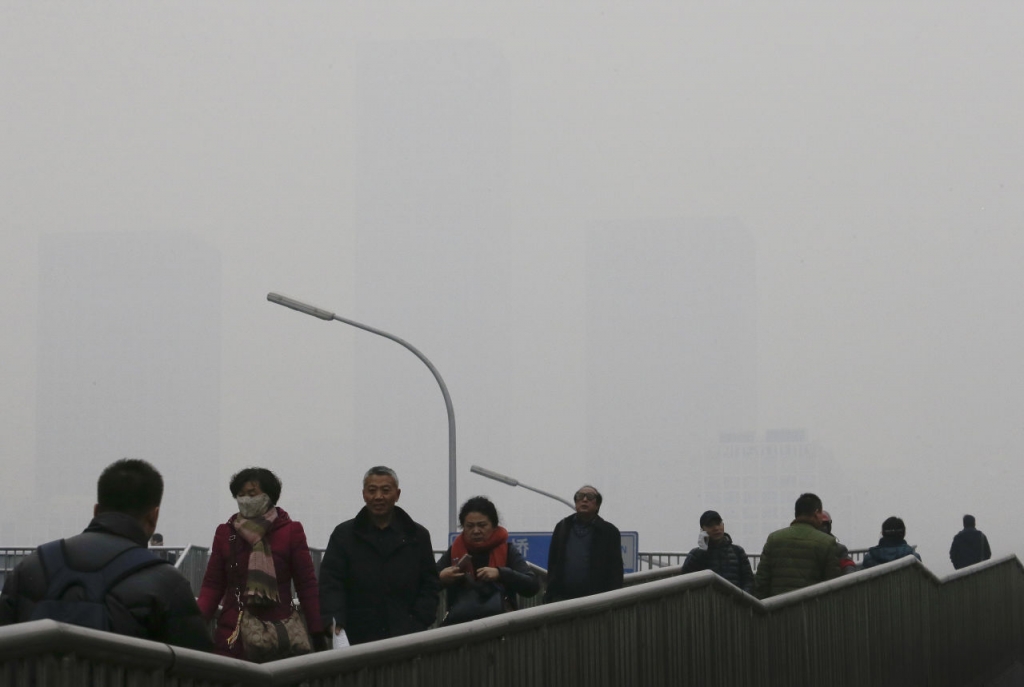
<point x="439" y="170"/>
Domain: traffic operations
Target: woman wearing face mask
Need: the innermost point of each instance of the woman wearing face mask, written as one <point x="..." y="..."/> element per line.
<point x="254" y="559"/>
<point x="491" y="572"/>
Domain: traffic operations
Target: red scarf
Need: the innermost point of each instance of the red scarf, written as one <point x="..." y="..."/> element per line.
<point x="495" y="545"/>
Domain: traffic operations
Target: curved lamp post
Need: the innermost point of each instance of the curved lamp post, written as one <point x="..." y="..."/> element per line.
<point x="513" y="482"/>
<point x="325" y="315"/>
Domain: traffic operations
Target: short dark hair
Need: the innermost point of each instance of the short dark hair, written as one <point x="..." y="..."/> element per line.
<point x="968" y="521"/>
<point x="807" y="504"/>
<point x="482" y="505"/>
<point x="131" y="486"/>
<point x="894" y="527"/>
<point x="270" y="484"/>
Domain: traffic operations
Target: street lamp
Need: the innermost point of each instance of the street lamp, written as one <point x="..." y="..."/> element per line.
<point x="325" y="315"/>
<point x="513" y="482"/>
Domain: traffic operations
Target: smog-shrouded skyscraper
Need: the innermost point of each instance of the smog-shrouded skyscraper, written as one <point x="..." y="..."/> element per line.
<point x="129" y="366"/>
<point x="671" y="355"/>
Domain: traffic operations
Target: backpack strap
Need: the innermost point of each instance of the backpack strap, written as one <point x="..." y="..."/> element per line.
<point x="128" y="563"/>
<point x="96" y="584"/>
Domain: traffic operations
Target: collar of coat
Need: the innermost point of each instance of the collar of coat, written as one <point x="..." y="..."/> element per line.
<point x="806" y="520"/>
<point x="121" y="524"/>
<point x="400" y="520"/>
<point x="726" y="540"/>
<point x="597" y="521"/>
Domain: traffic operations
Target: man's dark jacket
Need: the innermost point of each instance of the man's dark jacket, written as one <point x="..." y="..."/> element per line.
<point x="726" y="559"/>
<point x="605" y="559"/>
<point x="970" y="546"/>
<point x="153" y="603"/>
<point x="889" y="549"/>
<point x="377" y="592"/>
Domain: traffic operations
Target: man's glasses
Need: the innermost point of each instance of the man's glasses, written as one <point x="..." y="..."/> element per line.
<point x="584" y="496"/>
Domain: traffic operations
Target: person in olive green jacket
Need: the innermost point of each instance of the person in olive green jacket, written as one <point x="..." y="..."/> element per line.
<point x="799" y="555"/>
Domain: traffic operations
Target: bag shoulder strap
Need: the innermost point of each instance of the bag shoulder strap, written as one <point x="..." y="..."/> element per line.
<point x="97" y="583"/>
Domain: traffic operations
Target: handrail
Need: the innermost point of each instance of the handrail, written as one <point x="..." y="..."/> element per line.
<point x="677" y="630"/>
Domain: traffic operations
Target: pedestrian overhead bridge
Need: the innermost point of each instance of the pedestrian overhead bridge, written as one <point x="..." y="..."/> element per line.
<point x="896" y="624"/>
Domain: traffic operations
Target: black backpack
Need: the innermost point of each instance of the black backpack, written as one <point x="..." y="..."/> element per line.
<point x="91" y="610"/>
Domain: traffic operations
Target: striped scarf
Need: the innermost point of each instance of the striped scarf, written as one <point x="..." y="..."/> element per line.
<point x="261" y="578"/>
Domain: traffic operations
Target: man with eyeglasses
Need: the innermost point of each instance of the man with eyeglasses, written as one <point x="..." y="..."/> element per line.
<point x="586" y="552"/>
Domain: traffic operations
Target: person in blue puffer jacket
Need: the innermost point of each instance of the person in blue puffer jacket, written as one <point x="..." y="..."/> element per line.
<point x="892" y="546"/>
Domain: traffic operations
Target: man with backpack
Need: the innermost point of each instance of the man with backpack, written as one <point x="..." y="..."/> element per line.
<point x="106" y="578"/>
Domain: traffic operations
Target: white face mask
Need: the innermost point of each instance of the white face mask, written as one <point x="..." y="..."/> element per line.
<point x="252" y="506"/>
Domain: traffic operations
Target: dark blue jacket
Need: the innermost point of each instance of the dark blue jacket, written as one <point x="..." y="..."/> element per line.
<point x="155" y="603"/>
<point x="889" y="549"/>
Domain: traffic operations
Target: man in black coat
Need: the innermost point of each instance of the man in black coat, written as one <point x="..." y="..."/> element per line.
<point x="377" y="577"/>
<point x="970" y="545"/>
<point x="586" y="552"/>
<point x="718" y="554"/>
<point x="154" y="602"/>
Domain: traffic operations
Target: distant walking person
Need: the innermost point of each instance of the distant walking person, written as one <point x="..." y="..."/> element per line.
<point x="799" y="555"/>
<point x="892" y="546"/>
<point x="716" y="552"/>
<point x="586" y="552"/>
<point x="146" y="598"/>
<point x="970" y="545"/>
<point x="157" y="542"/>
<point x="378" y="578"/>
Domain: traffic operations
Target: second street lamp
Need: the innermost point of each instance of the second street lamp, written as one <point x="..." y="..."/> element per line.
<point x="513" y="482"/>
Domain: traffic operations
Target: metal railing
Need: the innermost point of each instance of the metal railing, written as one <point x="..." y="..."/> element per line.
<point x="652" y="560"/>
<point x="191" y="560"/>
<point x="10" y="556"/>
<point x="895" y="624"/>
<point x="191" y="563"/>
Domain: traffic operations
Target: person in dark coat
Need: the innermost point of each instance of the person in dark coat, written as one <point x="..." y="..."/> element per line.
<point x="377" y="577"/>
<point x="969" y="546"/>
<point x="717" y="553"/>
<point x="892" y="546"/>
<point x="586" y="552"/>
<point x="492" y="565"/>
<point x="235" y="579"/>
<point x="153" y="603"/>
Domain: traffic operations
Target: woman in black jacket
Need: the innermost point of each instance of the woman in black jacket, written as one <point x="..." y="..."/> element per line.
<point x="481" y="570"/>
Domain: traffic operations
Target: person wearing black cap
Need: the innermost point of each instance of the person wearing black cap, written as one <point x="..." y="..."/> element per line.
<point x="970" y="545"/>
<point x="892" y="546"/>
<point x="716" y="552"/>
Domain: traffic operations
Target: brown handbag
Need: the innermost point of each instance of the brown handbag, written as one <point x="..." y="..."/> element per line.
<point x="270" y="640"/>
<point x="267" y="640"/>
